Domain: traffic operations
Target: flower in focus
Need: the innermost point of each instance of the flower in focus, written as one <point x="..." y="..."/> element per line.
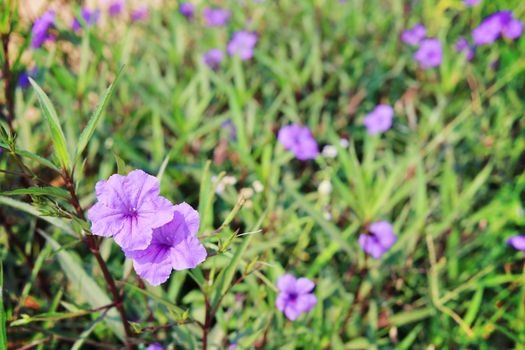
<point x="517" y="242"/>
<point x="140" y="14"/>
<point x="429" y="54"/>
<point x="89" y="17"/>
<point x="414" y="35"/>
<point x="295" y="296"/>
<point x="213" y="58"/>
<point x="116" y="8"/>
<point x="129" y="208"/>
<point x="216" y="17"/>
<point x="471" y="2"/>
<point x="379" y="120"/>
<point x="299" y="140"/>
<point x="187" y="9"/>
<point x="242" y="44"/>
<point x="498" y="24"/>
<point x="378" y="240"/>
<point x="173" y="246"/>
<point x="40" y="29"/>
<point x="462" y="45"/>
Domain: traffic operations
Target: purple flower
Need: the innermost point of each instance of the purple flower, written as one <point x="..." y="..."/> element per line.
<point x="299" y="140"/>
<point x="173" y="246"/>
<point x="140" y="14"/>
<point x="89" y="17"/>
<point x="414" y="35"/>
<point x="41" y="29"/>
<point x="155" y="346"/>
<point x="295" y="296"/>
<point x="462" y="45"/>
<point x="213" y="58"/>
<point x="379" y="120"/>
<point x="216" y="17"/>
<point x="23" y="80"/>
<point x="429" y="54"/>
<point x="517" y="242"/>
<point x="242" y="44"/>
<point x="116" y="8"/>
<point x="378" y="240"/>
<point x="471" y="2"/>
<point x="498" y="24"/>
<point x="129" y="208"/>
<point x="187" y="9"/>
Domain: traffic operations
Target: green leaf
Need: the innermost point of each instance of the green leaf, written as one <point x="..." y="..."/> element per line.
<point x="33" y="156"/>
<point x="39" y="191"/>
<point x="3" y="316"/>
<point x="57" y="135"/>
<point x="95" y="118"/>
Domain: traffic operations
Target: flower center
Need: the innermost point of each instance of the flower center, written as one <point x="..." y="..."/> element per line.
<point x="132" y="212"/>
<point x="293" y="297"/>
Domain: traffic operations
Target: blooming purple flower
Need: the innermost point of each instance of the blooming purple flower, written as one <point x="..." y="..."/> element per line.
<point x="187" y="9"/>
<point x="129" y="208"/>
<point x="517" y="242"/>
<point x="378" y="240"/>
<point x="89" y="17"/>
<point x="116" y="8"/>
<point x="41" y="29"/>
<point x="379" y="120"/>
<point x="295" y="296"/>
<point x="216" y="17"/>
<point x="242" y="44"/>
<point x="155" y="346"/>
<point x="213" y="58"/>
<point x="471" y="2"/>
<point x="173" y="246"/>
<point x="462" y="45"/>
<point x="140" y="14"/>
<point x="414" y="35"/>
<point x="498" y="24"/>
<point x="429" y="54"/>
<point x="299" y="140"/>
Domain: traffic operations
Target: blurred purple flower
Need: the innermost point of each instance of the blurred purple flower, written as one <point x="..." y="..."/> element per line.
<point x="379" y="120"/>
<point x="89" y="17"/>
<point x="378" y="240"/>
<point x="173" y="246"/>
<point x="23" y="80"/>
<point x="299" y="140"/>
<point x="295" y="296"/>
<point x="129" y="208"/>
<point x="498" y="24"/>
<point x="213" y="58"/>
<point x="40" y="29"/>
<point x="187" y="9"/>
<point x="462" y="45"/>
<point x="230" y="127"/>
<point x="471" y="2"/>
<point x="414" y="35"/>
<point x="216" y="17"/>
<point x="155" y="346"/>
<point x="429" y="54"/>
<point x="242" y="44"/>
<point x="140" y="14"/>
<point x="116" y="8"/>
<point x="517" y="242"/>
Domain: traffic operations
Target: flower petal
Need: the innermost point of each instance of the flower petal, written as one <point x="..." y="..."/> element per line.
<point x="105" y="221"/>
<point x="518" y="242"/>
<point x="187" y="254"/>
<point x="304" y="285"/>
<point x="152" y="264"/>
<point x="305" y="302"/>
<point x="286" y="283"/>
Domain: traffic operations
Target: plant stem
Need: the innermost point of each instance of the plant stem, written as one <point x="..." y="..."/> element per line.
<point x="9" y="88"/>
<point x="206" y="326"/>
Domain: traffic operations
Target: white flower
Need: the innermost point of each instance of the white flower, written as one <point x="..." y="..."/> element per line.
<point x="344" y="143"/>
<point x="258" y="186"/>
<point x="325" y="187"/>
<point x="329" y="151"/>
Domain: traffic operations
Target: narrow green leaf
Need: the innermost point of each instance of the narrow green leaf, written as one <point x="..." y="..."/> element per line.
<point x="39" y="191"/>
<point x="3" y="316"/>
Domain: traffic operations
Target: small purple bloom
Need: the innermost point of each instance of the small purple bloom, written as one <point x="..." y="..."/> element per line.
<point x="129" y="208"/>
<point x="187" y="9"/>
<point x="155" y="346"/>
<point x="299" y="140"/>
<point x="517" y="242"/>
<point x="498" y="24"/>
<point x="429" y="54"/>
<point x="471" y="3"/>
<point x="116" y="8"/>
<point x="378" y="240"/>
<point x="414" y="35"/>
<point x="295" y="296"/>
<point x="216" y="17"/>
<point x="41" y="29"/>
<point x="89" y="17"/>
<point x="23" y="80"/>
<point x="379" y="120"/>
<point x="213" y="58"/>
<point x="242" y="44"/>
<point x="462" y="45"/>
<point x="513" y="29"/>
<point x="173" y="246"/>
<point x="140" y="14"/>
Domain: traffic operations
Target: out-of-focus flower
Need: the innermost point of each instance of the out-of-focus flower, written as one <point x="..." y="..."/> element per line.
<point x="187" y="9"/>
<point x="462" y="45"/>
<point x="329" y="151"/>
<point x="258" y="186"/>
<point x="295" y="296"/>
<point x="378" y="240"/>
<point x="129" y="208"/>
<point x="242" y="44"/>
<point x="115" y="8"/>
<point x="216" y="17"/>
<point x="222" y="183"/>
<point x="155" y="346"/>
<point x="299" y="140"/>
<point x="379" y="120"/>
<point x="517" y="242"/>
<point x="173" y="246"/>
<point x="140" y="14"/>
<point x="41" y="28"/>
<point x="325" y="187"/>
<point x="89" y="17"/>
<point x="471" y="2"/>
<point x="429" y="54"/>
<point x="23" y="80"/>
<point x="213" y="58"/>
<point x="414" y="35"/>
<point x="498" y="24"/>
<point x="344" y="143"/>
